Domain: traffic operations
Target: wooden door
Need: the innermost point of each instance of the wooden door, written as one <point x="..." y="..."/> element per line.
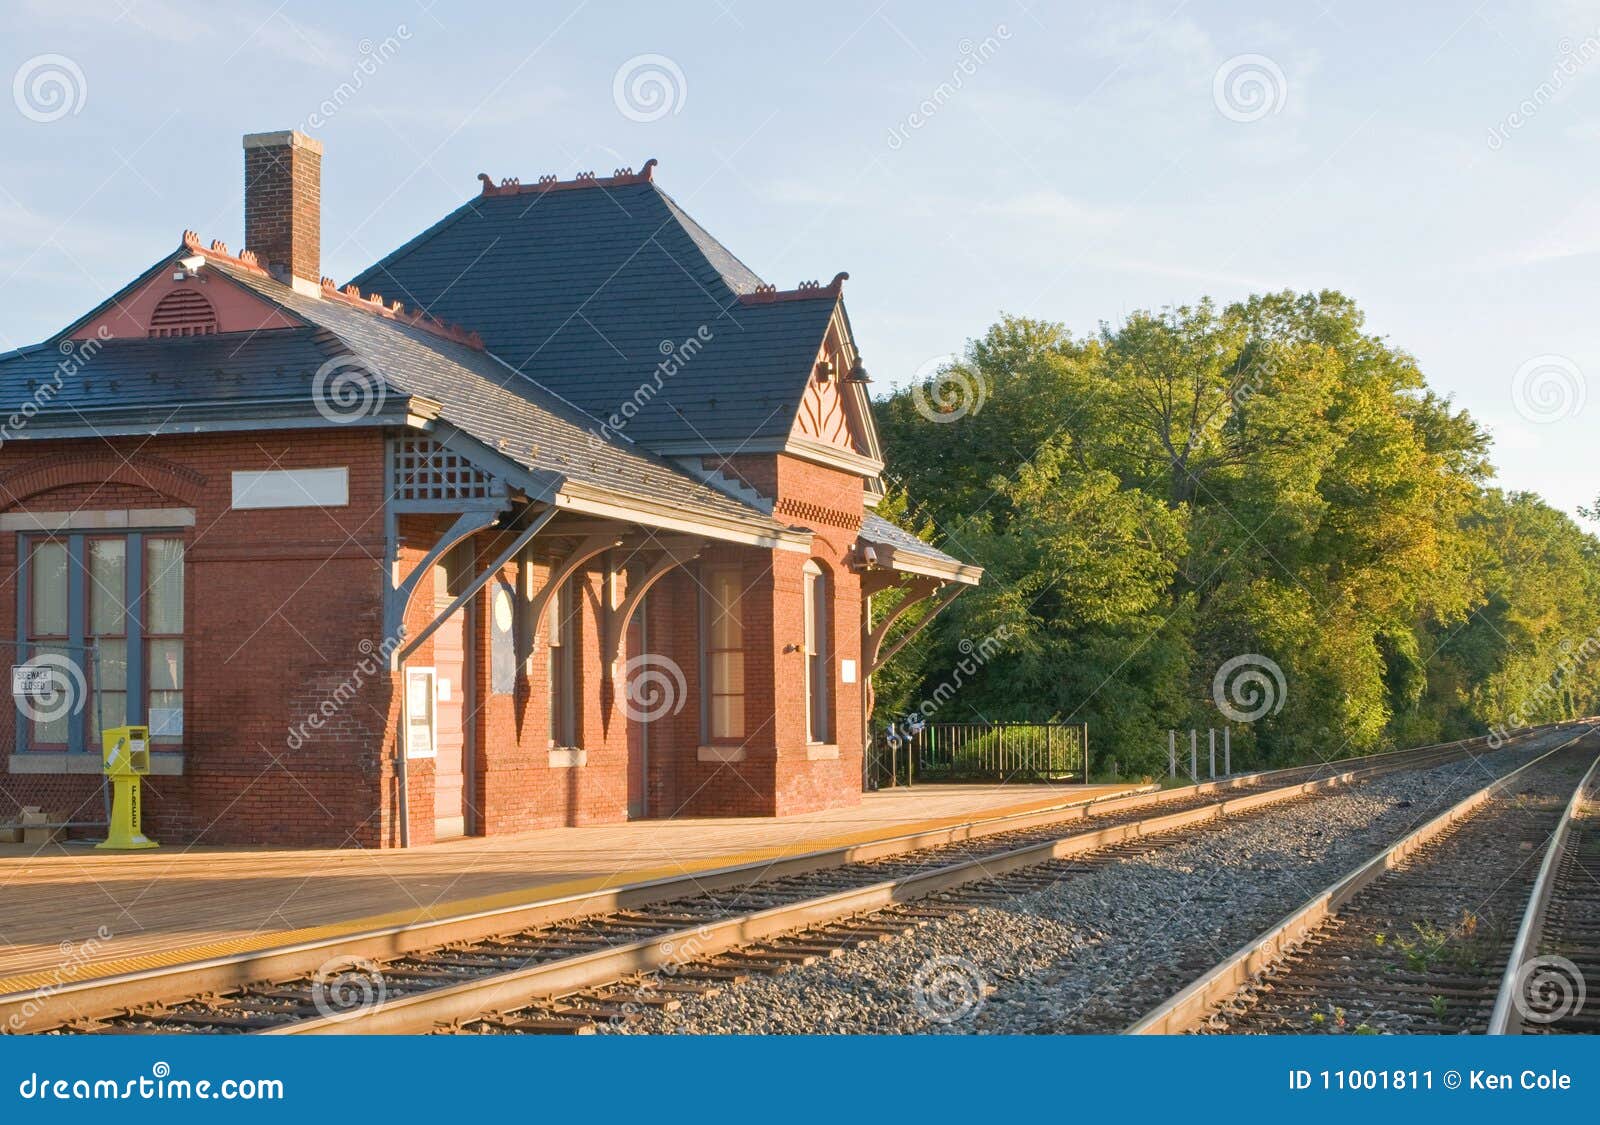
<point x="450" y="662"/>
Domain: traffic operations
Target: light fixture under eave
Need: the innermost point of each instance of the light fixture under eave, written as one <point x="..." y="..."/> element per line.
<point x="858" y="374"/>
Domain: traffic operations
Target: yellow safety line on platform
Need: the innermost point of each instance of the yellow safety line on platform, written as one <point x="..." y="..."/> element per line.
<point x="95" y="970"/>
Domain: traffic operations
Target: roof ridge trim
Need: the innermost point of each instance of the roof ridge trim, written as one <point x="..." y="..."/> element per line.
<point x="621" y="177"/>
<point x="805" y="291"/>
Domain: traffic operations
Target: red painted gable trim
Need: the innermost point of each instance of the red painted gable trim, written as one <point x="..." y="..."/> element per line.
<point x="130" y="315"/>
<point x="349" y="295"/>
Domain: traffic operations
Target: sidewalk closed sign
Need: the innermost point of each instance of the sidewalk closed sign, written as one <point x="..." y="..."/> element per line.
<point x="35" y="682"/>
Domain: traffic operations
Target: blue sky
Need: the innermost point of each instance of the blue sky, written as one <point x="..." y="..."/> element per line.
<point x="1437" y="162"/>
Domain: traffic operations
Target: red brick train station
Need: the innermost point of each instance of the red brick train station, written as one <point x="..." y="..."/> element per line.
<point x="557" y="515"/>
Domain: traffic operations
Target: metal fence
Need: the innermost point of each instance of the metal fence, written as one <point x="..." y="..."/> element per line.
<point x="983" y="752"/>
<point x="54" y="715"/>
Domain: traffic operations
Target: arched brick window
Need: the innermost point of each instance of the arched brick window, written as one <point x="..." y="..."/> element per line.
<point x="183" y="312"/>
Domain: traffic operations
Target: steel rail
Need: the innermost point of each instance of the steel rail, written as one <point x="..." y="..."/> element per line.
<point x="1505" y="1020"/>
<point x="54" y="1006"/>
<point x="424" y="1011"/>
<point x="1187" y="1008"/>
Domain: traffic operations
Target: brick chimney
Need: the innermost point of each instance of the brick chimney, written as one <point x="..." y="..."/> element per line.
<point x="283" y="205"/>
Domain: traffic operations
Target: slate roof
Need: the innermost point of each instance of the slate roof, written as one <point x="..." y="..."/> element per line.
<point x="171" y="381"/>
<point x="585" y="289"/>
<point x="876" y="529"/>
<point x="168" y="382"/>
<point x="507" y="411"/>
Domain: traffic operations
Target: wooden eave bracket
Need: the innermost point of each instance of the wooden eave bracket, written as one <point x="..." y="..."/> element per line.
<point x="479" y="581"/>
<point x="673" y="556"/>
<point x="538" y="601"/>
<point x="918" y="588"/>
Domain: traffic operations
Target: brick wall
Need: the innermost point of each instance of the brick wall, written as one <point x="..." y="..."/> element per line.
<point x="284" y="613"/>
<point x="277" y="607"/>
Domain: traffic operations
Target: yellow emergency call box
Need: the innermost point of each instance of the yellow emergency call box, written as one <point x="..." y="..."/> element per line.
<point x="125" y="759"/>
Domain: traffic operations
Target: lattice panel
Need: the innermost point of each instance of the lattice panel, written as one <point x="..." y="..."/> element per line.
<point x="426" y="470"/>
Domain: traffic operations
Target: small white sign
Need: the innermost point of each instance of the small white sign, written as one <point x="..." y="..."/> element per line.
<point x="291" y="488"/>
<point x="419" y="713"/>
<point x="847" y="671"/>
<point x="34" y="682"/>
<point x="166" y="722"/>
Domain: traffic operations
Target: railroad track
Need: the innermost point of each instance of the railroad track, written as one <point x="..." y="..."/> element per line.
<point x="1420" y="937"/>
<point x="1552" y="979"/>
<point x="563" y="967"/>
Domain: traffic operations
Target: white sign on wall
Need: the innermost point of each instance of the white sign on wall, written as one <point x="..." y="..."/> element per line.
<point x="847" y="671"/>
<point x="419" y="713"/>
<point x="292" y="488"/>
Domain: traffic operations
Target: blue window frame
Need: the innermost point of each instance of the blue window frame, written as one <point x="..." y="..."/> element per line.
<point x="120" y="593"/>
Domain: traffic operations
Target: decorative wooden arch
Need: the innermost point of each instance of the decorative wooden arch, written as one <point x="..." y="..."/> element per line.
<point x="917" y="589"/>
<point x="672" y="557"/>
<point x="536" y="602"/>
<point x="466" y="525"/>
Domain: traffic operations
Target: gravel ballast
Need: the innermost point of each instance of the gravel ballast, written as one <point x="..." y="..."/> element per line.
<point x="1095" y="950"/>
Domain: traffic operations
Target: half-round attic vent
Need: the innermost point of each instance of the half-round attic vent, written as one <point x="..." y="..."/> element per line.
<point x="183" y="312"/>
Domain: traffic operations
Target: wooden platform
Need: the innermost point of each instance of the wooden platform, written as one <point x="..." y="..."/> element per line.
<point x="70" y="910"/>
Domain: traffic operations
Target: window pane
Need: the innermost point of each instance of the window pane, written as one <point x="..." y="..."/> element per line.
<point x="113" y="667"/>
<point x="817" y="617"/>
<point x="166" y="716"/>
<point x="727" y="716"/>
<point x="53" y="717"/>
<point x="726" y="629"/>
<point x="163" y="575"/>
<point x="113" y="712"/>
<point x="727" y="673"/>
<point x="166" y="665"/>
<point x="108" y="585"/>
<point x="48" y="577"/>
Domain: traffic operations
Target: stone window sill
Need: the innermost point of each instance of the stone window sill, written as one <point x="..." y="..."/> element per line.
<point x="720" y="753"/>
<point x="163" y="763"/>
<point x="567" y="758"/>
<point x="821" y="751"/>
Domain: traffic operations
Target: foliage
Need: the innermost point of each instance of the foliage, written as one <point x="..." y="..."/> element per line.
<point x="1153" y="499"/>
